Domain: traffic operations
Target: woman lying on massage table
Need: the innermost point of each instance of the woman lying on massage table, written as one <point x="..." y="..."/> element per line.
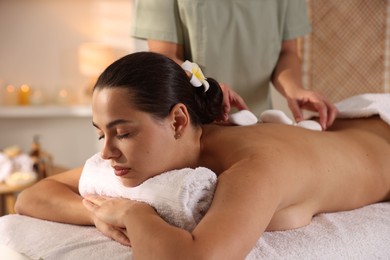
<point x="151" y="119"/>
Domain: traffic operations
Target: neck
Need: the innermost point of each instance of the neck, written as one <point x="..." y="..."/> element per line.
<point x="191" y="148"/>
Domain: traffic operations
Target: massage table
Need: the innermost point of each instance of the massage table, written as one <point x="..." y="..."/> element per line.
<point x="362" y="233"/>
<point x="358" y="234"/>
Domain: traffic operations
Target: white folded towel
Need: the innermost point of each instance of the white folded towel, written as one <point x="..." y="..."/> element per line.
<point x="365" y="105"/>
<point x="180" y="197"/>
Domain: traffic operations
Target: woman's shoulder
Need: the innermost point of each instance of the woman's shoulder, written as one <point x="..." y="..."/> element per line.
<point x="258" y="133"/>
<point x="231" y="144"/>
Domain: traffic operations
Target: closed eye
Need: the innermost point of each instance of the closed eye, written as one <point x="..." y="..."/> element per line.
<point x="122" y="136"/>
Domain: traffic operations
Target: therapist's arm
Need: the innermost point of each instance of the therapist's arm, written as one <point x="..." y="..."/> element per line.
<point x="287" y="79"/>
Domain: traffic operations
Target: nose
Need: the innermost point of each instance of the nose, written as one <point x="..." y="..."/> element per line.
<point x="109" y="151"/>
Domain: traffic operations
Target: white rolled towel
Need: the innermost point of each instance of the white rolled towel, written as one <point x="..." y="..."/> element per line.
<point x="180" y="197"/>
<point x="365" y="105"/>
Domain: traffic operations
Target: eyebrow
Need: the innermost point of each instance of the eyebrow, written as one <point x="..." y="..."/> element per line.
<point x="113" y="123"/>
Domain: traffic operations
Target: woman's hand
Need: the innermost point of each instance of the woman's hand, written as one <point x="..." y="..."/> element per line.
<point x="115" y="233"/>
<point x="108" y="214"/>
<point x="312" y="101"/>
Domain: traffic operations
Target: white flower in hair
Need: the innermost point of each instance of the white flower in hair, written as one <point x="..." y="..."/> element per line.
<point x="197" y="78"/>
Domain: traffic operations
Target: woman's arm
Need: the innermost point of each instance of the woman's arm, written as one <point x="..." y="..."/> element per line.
<point x="242" y="208"/>
<point x="55" y="198"/>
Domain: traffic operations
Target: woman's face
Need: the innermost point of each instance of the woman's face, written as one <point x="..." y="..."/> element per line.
<point x="138" y="146"/>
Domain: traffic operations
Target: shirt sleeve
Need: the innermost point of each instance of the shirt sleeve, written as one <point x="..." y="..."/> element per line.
<point x="296" y="22"/>
<point x="157" y="20"/>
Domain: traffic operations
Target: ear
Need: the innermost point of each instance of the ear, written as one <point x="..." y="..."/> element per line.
<point x="180" y="119"/>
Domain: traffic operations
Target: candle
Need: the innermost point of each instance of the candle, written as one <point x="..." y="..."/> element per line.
<point x="37" y="97"/>
<point x="63" y="97"/>
<point x="11" y="97"/>
<point x="24" y="95"/>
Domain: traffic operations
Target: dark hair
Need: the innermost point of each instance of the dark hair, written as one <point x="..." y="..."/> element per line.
<point x="156" y="83"/>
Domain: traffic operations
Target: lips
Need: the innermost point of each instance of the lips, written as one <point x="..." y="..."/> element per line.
<point x="121" y="171"/>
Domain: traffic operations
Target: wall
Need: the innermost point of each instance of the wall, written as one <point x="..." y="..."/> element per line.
<point x="39" y="42"/>
<point x="40" y="38"/>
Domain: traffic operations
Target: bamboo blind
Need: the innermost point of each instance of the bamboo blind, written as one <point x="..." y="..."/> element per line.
<point x="347" y="52"/>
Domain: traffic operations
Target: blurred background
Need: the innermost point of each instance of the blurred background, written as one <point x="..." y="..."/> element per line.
<point x="48" y="55"/>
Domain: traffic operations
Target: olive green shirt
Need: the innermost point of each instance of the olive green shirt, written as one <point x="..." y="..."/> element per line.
<point x="237" y="42"/>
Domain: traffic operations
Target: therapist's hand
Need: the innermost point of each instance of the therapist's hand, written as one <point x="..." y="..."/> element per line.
<point x="230" y="99"/>
<point x="107" y="219"/>
<point x="312" y="101"/>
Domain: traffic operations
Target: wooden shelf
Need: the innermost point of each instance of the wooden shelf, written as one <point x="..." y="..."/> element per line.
<point x="45" y="111"/>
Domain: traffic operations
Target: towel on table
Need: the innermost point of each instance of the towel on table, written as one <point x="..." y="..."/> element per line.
<point x="357" y="234"/>
<point x="365" y="105"/>
<point x="180" y="197"/>
<point x="40" y="239"/>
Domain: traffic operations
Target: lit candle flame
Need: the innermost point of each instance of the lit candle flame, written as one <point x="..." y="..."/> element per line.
<point x="24" y="95"/>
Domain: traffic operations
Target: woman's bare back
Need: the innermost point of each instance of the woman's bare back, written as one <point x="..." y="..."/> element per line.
<point x="344" y="168"/>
